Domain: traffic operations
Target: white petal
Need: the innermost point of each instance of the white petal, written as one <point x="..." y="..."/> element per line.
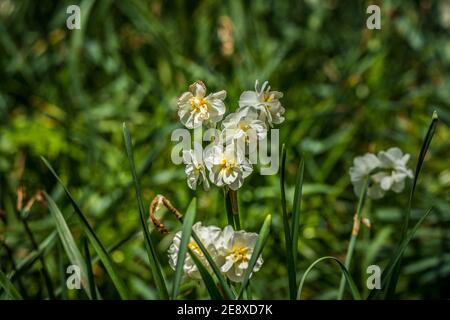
<point x="249" y="98"/>
<point x="198" y="89"/>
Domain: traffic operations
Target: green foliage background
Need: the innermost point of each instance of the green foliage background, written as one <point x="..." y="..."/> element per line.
<point x="347" y="91"/>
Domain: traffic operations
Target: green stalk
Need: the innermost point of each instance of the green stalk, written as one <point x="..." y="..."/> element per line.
<point x="231" y="204"/>
<point x="354" y="236"/>
<point x="292" y="277"/>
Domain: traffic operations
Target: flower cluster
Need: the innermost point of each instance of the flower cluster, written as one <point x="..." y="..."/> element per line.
<point x="383" y="172"/>
<point x="225" y="161"/>
<point x="231" y="251"/>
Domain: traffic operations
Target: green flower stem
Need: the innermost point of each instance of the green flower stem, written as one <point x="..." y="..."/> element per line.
<point x="354" y="236"/>
<point x="231" y="203"/>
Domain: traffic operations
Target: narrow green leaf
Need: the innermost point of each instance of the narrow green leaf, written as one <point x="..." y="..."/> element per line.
<point x="259" y="246"/>
<point x="223" y="282"/>
<point x="68" y="242"/>
<point x="207" y="278"/>
<point x="385" y="276"/>
<point x="62" y="272"/>
<point x="354" y="290"/>
<point x="90" y="274"/>
<point x="155" y="266"/>
<point x="24" y="265"/>
<point x="98" y="246"/>
<point x="423" y="151"/>
<point x="9" y="288"/>
<point x="296" y="210"/>
<point x="287" y="233"/>
<point x="188" y="221"/>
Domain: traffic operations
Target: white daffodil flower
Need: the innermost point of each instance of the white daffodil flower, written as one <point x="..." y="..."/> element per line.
<point x="361" y="171"/>
<point x="244" y="127"/>
<point x="394" y="161"/>
<point x="236" y="249"/>
<point x="265" y="101"/>
<point x="227" y="166"/>
<point x="208" y="235"/>
<point x="195" y="168"/>
<point x="195" y="108"/>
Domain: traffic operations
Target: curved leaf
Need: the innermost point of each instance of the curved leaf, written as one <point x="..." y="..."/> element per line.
<point x="348" y="277"/>
<point x="259" y="246"/>
<point x="188" y="221"/>
<point x="98" y="246"/>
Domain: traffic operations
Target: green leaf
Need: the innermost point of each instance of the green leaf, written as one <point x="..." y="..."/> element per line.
<point x="98" y="246"/>
<point x="27" y="262"/>
<point x="90" y="274"/>
<point x="155" y="265"/>
<point x="287" y="234"/>
<point x="188" y="221"/>
<point x="68" y="242"/>
<point x="296" y="210"/>
<point x="354" y="290"/>
<point x="207" y="278"/>
<point x="62" y="272"/>
<point x="9" y="288"/>
<point x="223" y="282"/>
<point x="259" y="246"/>
<point x="423" y="151"/>
<point x="386" y="275"/>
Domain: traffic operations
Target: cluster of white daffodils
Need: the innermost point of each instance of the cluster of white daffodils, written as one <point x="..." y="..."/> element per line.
<point x="226" y="158"/>
<point x="385" y="171"/>
<point x="231" y="251"/>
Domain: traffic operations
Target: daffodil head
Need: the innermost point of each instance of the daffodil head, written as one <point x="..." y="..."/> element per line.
<point x="196" y="108"/>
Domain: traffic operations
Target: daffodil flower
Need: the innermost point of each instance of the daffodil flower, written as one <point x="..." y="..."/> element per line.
<point x="361" y="172"/>
<point x="236" y="249"/>
<point x="244" y="127"/>
<point x="195" y="168"/>
<point x="387" y="171"/>
<point x="394" y="161"/>
<point x="227" y="165"/>
<point x="265" y="101"/>
<point x="208" y="235"/>
<point x="195" y="108"/>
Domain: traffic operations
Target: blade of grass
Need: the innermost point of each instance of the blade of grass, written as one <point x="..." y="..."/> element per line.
<point x="423" y="151"/>
<point x="354" y="290"/>
<point x="62" y="272"/>
<point x="44" y="269"/>
<point x="223" y="282"/>
<point x="68" y="242"/>
<point x="386" y="274"/>
<point x="259" y="246"/>
<point x="287" y="234"/>
<point x="9" y="288"/>
<point x="24" y="265"/>
<point x="207" y="278"/>
<point x="98" y="246"/>
<point x="188" y="221"/>
<point x="296" y="210"/>
<point x="155" y="266"/>
<point x="90" y="275"/>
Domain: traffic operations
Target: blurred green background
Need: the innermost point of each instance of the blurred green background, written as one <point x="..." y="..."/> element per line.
<point x="348" y="90"/>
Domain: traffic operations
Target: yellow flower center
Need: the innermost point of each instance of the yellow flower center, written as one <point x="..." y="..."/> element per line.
<point x="244" y="126"/>
<point x="195" y="248"/>
<point x="239" y="254"/>
<point x="199" y="104"/>
<point x="228" y="166"/>
<point x="268" y="97"/>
